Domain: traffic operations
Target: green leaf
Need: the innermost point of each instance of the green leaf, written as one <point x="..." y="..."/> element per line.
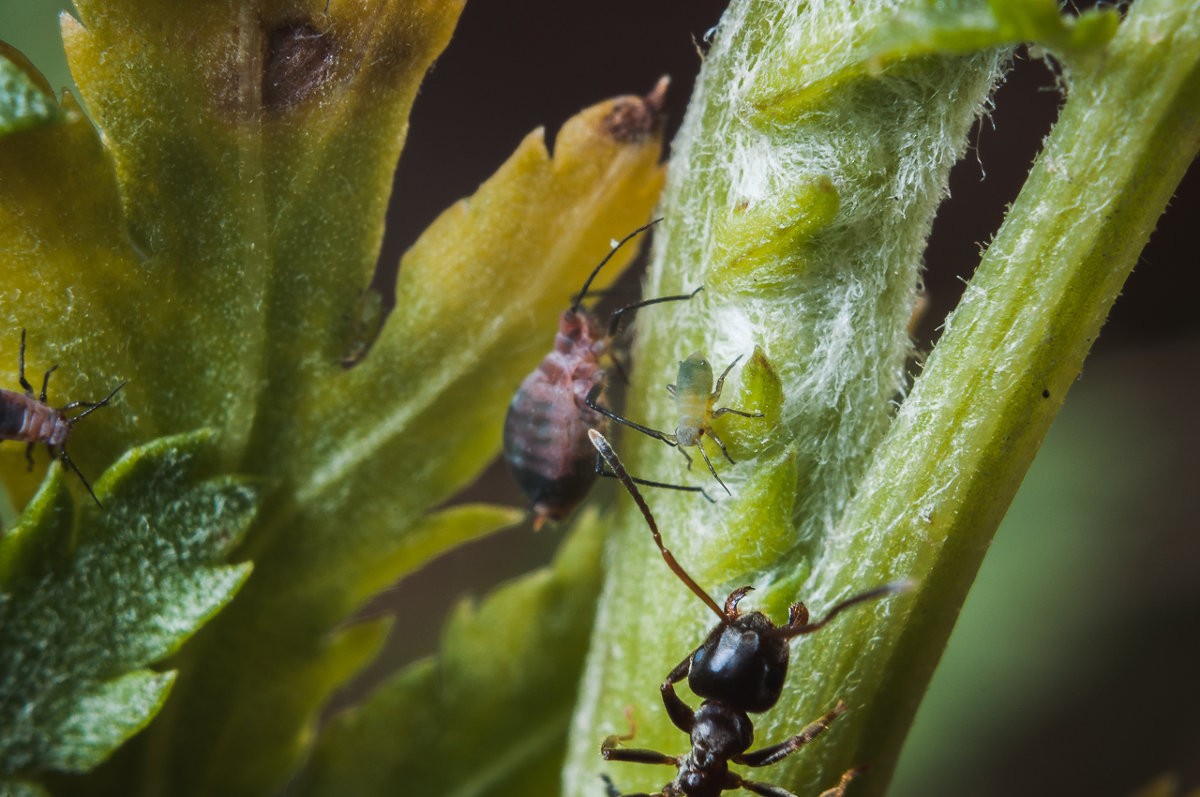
<point x="212" y="242"/>
<point x="88" y="599"/>
<point x="499" y="694"/>
<point x="26" y="99"/>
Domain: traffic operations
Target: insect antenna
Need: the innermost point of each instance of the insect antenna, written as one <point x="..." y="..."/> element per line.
<point x="92" y="406"/>
<point x="610" y="457"/>
<point x="579" y="296"/>
<point x="804" y="627"/>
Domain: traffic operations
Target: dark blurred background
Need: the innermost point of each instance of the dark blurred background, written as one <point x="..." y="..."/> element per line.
<point x="1073" y="669"/>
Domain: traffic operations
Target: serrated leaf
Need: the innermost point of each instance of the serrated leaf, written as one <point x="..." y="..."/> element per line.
<point x="89" y="598"/>
<point x="489" y="715"/>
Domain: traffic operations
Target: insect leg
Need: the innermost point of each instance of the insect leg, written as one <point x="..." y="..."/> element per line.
<point x="612" y="751"/>
<point x="66" y="460"/>
<point x="46" y="383"/>
<point x="765" y="789"/>
<point x="716" y="394"/>
<point x="21" y="368"/>
<point x="29" y="455"/>
<point x="777" y="752"/>
<point x="680" y="713"/>
<point x="720" y="444"/>
<point x="611" y="790"/>
<point x="646" y="430"/>
<point x="704" y="454"/>
<point x="614" y="322"/>
<point x="717" y="413"/>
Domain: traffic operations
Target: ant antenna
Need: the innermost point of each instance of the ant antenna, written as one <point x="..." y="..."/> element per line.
<point x="794" y="629"/>
<point x="579" y="296"/>
<point x="610" y="457"/>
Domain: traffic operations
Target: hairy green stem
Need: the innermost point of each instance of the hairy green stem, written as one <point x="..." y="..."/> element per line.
<point x="801" y="193"/>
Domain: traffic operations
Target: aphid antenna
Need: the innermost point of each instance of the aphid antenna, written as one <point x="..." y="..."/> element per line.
<point x="92" y="406"/>
<point x="614" y="323"/>
<point x="614" y="463"/>
<point x="579" y="296"/>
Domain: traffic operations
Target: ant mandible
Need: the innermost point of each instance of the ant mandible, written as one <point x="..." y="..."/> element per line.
<point x="738" y="670"/>
<point x="545" y="431"/>
<point x="695" y="398"/>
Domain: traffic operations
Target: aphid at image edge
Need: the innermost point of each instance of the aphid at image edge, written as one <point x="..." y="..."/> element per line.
<point x="694" y="396"/>
<point x="545" y="431"/>
<point x="738" y="670"/>
<point x="28" y="419"/>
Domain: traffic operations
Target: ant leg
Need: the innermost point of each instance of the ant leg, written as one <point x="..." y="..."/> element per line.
<point x="611" y="751"/>
<point x="29" y="455"/>
<point x="680" y="713"/>
<point x="704" y="454"/>
<point x="611" y="790"/>
<point x="765" y="789"/>
<point x="777" y="752"/>
<point x="600" y="471"/>
<point x="615" y="320"/>
<point x="646" y="430"/>
<point x="21" y="368"/>
<point x="716" y="394"/>
<point x="66" y="460"/>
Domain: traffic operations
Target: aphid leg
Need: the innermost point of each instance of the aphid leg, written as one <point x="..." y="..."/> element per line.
<point x="704" y="454"/>
<point x="46" y="383"/>
<point x="716" y="394"/>
<point x="717" y="413"/>
<point x="669" y="439"/>
<point x="680" y="713"/>
<point x="777" y="752"/>
<point x="720" y="444"/>
<point x="21" y="368"/>
<point x="600" y="471"/>
<point x="66" y="460"/>
<point x="671" y="390"/>
<point x="611" y="790"/>
<point x="29" y="455"/>
<point x="614" y="322"/>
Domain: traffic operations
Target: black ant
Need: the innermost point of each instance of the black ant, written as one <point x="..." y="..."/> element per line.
<point x="31" y="420"/>
<point x="738" y="670"/>
<point x="545" y="431"/>
<point x="695" y="398"/>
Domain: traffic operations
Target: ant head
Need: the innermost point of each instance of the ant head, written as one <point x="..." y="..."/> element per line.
<point x="741" y="663"/>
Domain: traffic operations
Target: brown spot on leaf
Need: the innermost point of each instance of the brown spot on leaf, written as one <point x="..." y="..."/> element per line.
<point x="635" y="119"/>
<point x="299" y="59"/>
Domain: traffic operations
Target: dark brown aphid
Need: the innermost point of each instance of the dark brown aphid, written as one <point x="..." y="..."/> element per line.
<point x="546" y="446"/>
<point x="31" y="420"/>
<point x="738" y="670"/>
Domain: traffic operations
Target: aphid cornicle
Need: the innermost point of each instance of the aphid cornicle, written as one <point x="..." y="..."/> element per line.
<point x="545" y="431"/>
<point x="738" y="670"/>
<point x="695" y="397"/>
<point x="31" y="420"/>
